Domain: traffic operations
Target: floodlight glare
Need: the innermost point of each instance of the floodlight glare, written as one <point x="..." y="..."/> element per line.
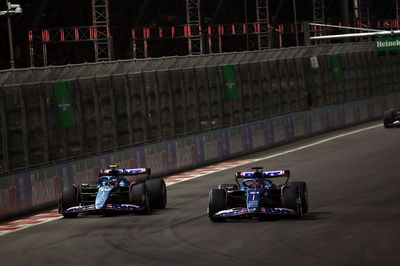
<point x="18" y="10"/>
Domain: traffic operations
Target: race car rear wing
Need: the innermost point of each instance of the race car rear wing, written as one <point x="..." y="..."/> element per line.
<point x="125" y="172"/>
<point x="266" y="174"/>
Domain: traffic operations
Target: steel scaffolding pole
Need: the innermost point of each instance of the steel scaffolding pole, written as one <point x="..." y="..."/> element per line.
<point x="264" y="31"/>
<point x="101" y="24"/>
<point x="361" y="13"/>
<point x="318" y="16"/>
<point x="398" y="10"/>
<point x="193" y="20"/>
<point x="319" y="11"/>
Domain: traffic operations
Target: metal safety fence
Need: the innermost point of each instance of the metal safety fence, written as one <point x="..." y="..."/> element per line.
<point x="126" y="103"/>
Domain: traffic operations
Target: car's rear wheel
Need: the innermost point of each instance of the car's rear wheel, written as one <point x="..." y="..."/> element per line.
<point x="229" y="187"/>
<point x="139" y="197"/>
<point x="216" y="203"/>
<point x="70" y="198"/>
<point x="157" y="193"/>
<point x="388" y="119"/>
<point x="292" y="199"/>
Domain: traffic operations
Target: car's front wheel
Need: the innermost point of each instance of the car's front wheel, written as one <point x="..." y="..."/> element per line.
<point x="157" y="193"/>
<point x="302" y="186"/>
<point x="216" y="203"/>
<point x="70" y="198"/>
<point x="139" y="197"/>
<point x="292" y="199"/>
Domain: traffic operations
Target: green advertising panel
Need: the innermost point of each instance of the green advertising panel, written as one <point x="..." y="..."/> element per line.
<point x="336" y="64"/>
<point x="387" y="43"/>
<point x="230" y="83"/>
<point x="63" y="104"/>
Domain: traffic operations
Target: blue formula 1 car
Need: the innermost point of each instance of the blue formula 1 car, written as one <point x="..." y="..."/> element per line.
<point x="116" y="190"/>
<point x="258" y="196"/>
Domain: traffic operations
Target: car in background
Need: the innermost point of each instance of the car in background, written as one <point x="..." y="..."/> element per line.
<point x="391" y="118"/>
<point x="131" y="190"/>
<point x="257" y="196"/>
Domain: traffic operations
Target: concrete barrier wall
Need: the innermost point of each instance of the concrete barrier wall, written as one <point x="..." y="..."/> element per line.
<point x="41" y="188"/>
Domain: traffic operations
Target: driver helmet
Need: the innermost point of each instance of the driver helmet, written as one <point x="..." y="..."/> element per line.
<point x="268" y="184"/>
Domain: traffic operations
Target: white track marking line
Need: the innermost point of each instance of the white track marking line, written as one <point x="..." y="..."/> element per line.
<point x="45" y="217"/>
<point x="273" y="155"/>
<point x="23" y="223"/>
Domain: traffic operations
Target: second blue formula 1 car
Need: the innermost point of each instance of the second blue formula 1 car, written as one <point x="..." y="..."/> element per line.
<point x="257" y="196"/>
<point x="116" y="190"/>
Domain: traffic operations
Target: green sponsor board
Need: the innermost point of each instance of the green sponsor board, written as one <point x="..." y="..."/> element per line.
<point x="63" y="104"/>
<point x="336" y="64"/>
<point x="230" y="83"/>
<point x="387" y="43"/>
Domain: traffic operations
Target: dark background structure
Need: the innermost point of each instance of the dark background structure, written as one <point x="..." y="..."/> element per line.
<point x="125" y="14"/>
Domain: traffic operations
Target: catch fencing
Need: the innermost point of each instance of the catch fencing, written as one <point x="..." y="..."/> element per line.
<point x="126" y="103"/>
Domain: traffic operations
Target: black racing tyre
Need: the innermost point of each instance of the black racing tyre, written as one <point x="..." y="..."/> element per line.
<point x="229" y="187"/>
<point x="292" y="199"/>
<point x="303" y="194"/>
<point x="157" y="193"/>
<point x="387" y="119"/>
<point x="69" y="198"/>
<point x="139" y="197"/>
<point x="216" y="203"/>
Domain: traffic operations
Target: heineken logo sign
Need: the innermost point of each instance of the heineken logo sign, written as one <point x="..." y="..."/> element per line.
<point x="387" y="43"/>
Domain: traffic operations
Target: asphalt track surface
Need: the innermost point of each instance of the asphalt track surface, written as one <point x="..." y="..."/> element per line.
<point x="354" y="217"/>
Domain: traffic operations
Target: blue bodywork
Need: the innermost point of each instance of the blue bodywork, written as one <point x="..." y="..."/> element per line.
<point x="110" y="181"/>
<point x="255" y="186"/>
<point x="106" y="185"/>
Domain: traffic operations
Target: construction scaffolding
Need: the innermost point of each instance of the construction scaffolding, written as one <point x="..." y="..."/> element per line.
<point x="101" y="24"/>
<point x="361" y="13"/>
<point x="39" y="39"/>
<point x="398" y="10"/>
<point x="319" y="11"/>
<point x="195" y="37"/>
<point x="263" y="21"/>
<point x="98" y="33"/>
<point x="193" y="20"/>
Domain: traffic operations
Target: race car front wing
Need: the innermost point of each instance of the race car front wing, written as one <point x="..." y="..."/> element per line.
<point x="244" y="211"/>
<point x="91" y="208"/>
